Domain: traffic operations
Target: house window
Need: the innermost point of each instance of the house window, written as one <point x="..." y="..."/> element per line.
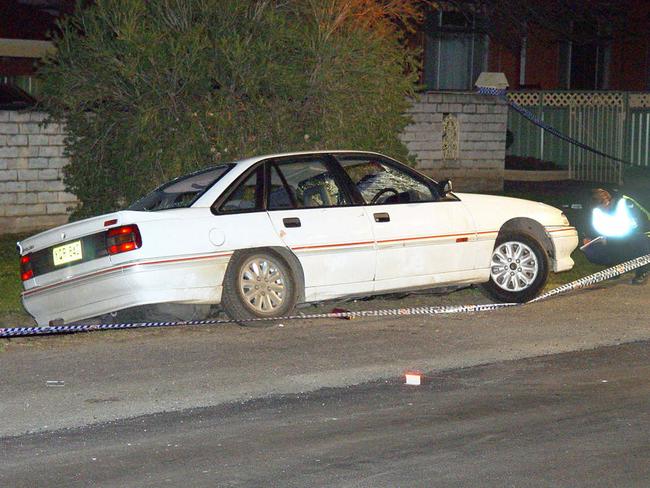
<point x="455" y="52"/>
<point x="585" y="62"/>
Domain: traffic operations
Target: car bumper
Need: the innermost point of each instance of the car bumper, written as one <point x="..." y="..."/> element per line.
<point x="565" y="241"/>
<point x="128" y="285"/>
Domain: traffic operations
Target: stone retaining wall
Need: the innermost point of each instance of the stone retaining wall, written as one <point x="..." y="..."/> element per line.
<point x="32" y="195"/>
<point x="454" y="135"/>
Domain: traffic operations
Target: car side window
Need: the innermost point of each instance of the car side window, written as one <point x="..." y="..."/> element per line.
<point x="381" y="183"/>
<point x="246" y="197"/>
<point x="279" y="192"/>
<point x="304" y="184"/>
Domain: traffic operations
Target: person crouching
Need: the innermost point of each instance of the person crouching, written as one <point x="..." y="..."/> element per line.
<point x="622" y="226"/>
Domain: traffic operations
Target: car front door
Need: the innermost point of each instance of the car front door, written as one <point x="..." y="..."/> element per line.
<point x="422" y="238"/>
<point x="314" y="214"/>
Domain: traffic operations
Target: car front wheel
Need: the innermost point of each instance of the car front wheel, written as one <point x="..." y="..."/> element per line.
<point x="518" y="268"/>
<point x="258" y="285"/>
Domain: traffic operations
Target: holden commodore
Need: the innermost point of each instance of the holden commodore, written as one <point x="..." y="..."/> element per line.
<point x="260" y="235"/>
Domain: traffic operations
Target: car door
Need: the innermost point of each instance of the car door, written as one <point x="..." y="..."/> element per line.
<point x="313" y="212"/>
<point x="421" y="238"/>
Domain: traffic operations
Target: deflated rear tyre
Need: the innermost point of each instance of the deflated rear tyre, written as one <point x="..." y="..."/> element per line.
<point x="258" y="285"/>
<point x="518" y="268"/>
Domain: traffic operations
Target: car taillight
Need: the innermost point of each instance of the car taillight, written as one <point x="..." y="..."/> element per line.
<point x="26" y="271"/>
<point x="123" y="239"/>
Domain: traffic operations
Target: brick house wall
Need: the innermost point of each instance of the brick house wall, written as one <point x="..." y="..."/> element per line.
<point x="629" y="68"/>
<point x="32" y="195"/>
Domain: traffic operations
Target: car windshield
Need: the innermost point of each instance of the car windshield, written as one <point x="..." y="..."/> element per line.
<point x="181" y="192"/>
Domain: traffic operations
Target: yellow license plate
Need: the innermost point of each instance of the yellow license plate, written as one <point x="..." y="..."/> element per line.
<point x="67" y="253"/>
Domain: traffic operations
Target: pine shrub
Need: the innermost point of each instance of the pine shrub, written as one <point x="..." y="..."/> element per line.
<point x="150" y="90"/>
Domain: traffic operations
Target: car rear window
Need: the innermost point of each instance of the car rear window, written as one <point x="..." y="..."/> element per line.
<point x="181" y="192"/>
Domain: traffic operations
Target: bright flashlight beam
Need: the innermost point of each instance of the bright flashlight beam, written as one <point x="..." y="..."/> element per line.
<point x="618" y="224"/>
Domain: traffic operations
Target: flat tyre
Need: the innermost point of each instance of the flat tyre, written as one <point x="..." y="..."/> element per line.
<point x="258" y="285"/>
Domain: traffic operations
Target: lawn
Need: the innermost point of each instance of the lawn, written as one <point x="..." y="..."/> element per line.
<point x="581" y="269"/>
<point x="11" y="310"/>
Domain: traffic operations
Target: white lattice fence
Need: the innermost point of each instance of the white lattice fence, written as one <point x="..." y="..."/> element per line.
<point x="640" y="100"/>
<point x="615" y="123"/>
<point x="638" y="145"/>
<point x="573" y="99"/>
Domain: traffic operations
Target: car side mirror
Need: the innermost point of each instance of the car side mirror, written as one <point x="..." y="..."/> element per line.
<point x="445" y="187"/>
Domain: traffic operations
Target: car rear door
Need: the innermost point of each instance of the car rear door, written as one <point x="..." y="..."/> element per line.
<point x="312" y="211"/>
<point x="421" y="238"/>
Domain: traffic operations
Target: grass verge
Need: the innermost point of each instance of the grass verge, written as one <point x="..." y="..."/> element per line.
<point x="11" y="310"/>
<point x="581" y="269"/>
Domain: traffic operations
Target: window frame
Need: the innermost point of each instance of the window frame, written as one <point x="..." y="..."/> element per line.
<point x="430" y="183"/>
<point x="260" y="189"/>
<point x="436" y="30"/>
<point x="269" y="167"/>
<point x="338" y="174"/>
<point x="333" y="164"/>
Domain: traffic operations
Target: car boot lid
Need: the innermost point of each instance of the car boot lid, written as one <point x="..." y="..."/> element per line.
<point x="78" y="229"/>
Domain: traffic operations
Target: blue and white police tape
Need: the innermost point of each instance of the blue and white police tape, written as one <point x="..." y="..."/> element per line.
<point x="585" y="282"/>
<point x="599" y="277"/>
<point x="502" y="93"/>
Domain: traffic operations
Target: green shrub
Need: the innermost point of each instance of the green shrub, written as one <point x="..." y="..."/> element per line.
<point x="151" y="90"/>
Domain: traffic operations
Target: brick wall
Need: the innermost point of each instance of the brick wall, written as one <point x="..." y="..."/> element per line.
<point x="32" y="194"/>
<point x="481" y="122"/>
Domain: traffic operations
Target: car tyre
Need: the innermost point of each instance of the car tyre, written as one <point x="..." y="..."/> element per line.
<point x="518" y="268"/>
<point x="258" y="284"/>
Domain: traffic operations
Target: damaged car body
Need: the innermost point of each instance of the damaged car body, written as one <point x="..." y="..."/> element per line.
<point x="261" y="235"/>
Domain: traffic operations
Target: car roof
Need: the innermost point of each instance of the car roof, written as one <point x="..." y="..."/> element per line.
<point x="255" y="159"/>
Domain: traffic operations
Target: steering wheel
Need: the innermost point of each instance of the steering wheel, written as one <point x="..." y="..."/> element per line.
<point x="381" y="192"/>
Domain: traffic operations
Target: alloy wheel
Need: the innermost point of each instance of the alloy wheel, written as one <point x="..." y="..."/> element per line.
<point x="262" y="285"/>
<point x="514" y="266"/>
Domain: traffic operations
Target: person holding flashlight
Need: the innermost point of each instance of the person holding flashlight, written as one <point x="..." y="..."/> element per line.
<point x="623" y="229"/>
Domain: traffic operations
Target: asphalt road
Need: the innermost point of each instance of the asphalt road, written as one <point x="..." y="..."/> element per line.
<point x="571" y="420"/>
<point x="117" y="375"/>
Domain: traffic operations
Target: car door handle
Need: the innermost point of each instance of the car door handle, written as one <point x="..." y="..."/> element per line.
<point x="382" y="217"/>
<point x="291" y="222"/>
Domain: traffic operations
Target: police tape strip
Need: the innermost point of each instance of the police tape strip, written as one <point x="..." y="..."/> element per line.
<point x="527" y="114"/>
<point x="589" y="280"/>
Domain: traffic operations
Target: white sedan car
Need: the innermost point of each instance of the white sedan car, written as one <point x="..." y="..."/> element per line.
<point x="260" y="235"/>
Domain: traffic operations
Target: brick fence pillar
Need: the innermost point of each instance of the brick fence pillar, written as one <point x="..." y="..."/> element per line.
<point x="461" y="136"/>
